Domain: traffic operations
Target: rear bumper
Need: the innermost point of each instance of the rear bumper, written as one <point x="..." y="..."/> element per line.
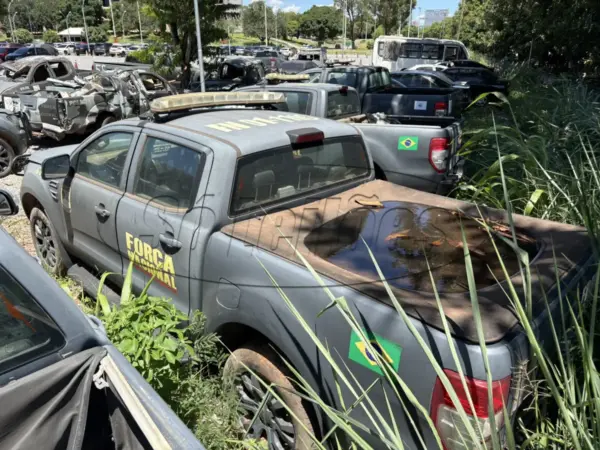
<point x="452" y="178"/>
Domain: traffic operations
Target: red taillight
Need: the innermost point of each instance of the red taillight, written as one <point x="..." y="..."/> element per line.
<point x="344" y="90"/>
<point x="445" y="416"/>
<point x="438" y="153"/>
<point x="305" y="135"/>
<point x="441" y="108"/>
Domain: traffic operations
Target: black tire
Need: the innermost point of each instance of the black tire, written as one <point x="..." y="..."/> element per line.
<point x="241" y="369"/>
<point x="7" y="154"/>
<point x="46" y="243"/>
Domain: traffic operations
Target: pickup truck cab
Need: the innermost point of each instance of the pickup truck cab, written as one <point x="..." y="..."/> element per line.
<point x="61" y="379"/>
<point x="197" y="197"/>
<point x="423" y="157"/>
<point x="377" y="93"/>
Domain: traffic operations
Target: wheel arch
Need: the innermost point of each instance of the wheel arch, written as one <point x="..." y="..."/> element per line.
<point x="29" y="201"/>
<point x="235" y="335"/>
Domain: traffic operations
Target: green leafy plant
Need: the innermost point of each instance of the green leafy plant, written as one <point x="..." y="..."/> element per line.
<point x="22" y="36"/>
<point x="51" y="36"/>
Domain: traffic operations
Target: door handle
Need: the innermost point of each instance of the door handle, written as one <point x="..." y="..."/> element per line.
<point x="102" y="212"/>
<point x="169" y="243"/>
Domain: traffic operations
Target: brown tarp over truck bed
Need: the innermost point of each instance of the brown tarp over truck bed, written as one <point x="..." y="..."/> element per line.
<point x="409" y="229"/>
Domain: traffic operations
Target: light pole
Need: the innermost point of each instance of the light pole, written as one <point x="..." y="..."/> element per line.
<point x="68" y="29"/>
<point x="112" y="16"/>
<point x="140" y="23"/>
<point x="419" y="25"/>
<point x="199" y="40"/>
<point x="266" y="30"/>
<point x="410" y="20"/>
<point x="11" y="23"/>
<point x="87" y="39"/>
<point x="344" y="45"/>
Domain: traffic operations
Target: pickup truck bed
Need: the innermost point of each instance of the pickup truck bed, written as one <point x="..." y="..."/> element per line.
<point x="330" y="240"/>
<point x="385" y="136"/>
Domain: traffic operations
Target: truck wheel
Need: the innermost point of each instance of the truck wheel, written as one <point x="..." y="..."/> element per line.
<point x="7" y="154"/>
<point x="45" y="240"/>
<point x="275" y="424"/>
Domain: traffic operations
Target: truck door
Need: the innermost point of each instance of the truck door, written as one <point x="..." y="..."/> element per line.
<point x="94" y="193"/>
<point x="157" y="219"/>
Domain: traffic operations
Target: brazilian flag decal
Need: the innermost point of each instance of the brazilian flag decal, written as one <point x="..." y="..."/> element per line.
<point x="410" y="143"/>
<point x="359" y="353"/>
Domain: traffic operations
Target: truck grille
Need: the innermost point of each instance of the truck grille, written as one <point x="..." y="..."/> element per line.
<point x="53" y="188"/>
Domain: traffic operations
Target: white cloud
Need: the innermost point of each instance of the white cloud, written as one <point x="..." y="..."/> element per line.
<point x="292" y="8"/>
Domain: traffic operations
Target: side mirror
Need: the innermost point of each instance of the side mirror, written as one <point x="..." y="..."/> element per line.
<point x="8" y="207"/>
<point x="56" y="168"/>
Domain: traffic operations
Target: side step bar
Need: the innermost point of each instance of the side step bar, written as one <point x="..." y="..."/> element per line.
<point x="90" y="284"/>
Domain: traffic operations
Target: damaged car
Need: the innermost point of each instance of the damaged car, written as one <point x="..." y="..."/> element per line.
<point x="81" y="105"/>
<point x="32" y="73"/>
<point x="63" y="384"/>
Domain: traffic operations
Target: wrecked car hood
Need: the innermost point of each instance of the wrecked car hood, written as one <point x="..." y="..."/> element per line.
<point x="409" y="231"/>
<point x="7" y="83"/>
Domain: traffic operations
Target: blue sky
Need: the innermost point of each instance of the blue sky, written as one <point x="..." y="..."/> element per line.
<point x="302" y="5"/>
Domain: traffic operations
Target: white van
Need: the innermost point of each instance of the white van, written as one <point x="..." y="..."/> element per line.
<point x="397" y="52"/>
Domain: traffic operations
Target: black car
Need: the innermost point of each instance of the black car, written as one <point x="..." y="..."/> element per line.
<point x="232" y="73"/>
<point x="101" y="48"/>
<point x="43" y="49"/>
<point x="83" y="47"/>
<point x="464" y="63"/>
<point x="480" y="80"/>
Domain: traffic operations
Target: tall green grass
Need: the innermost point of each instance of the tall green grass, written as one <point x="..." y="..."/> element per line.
<point x="535" y="154"/>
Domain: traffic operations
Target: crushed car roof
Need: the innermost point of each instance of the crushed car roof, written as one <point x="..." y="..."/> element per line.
<point x="247" y="129"/>
<point x="30" y="60"/>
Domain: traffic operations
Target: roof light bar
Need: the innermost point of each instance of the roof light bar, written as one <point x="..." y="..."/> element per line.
<point x="283" y="77"/>
<point x="182" y="102"/>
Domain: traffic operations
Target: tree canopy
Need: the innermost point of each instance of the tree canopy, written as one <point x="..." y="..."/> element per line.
<point x="253" y="20"/>
<point x="321" y="22"/>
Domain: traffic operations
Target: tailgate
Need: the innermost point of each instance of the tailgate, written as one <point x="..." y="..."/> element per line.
<point x="412" y="102"/>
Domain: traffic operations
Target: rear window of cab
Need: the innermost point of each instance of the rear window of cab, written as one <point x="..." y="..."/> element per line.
<point x="274" y="176"/>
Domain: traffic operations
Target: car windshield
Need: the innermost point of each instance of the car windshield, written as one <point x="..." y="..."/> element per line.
<point x="285" y="173"/>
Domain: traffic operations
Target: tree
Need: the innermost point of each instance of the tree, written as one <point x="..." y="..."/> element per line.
<point x="253" y="20"/>
<point x="97" y="34"/>
<point x="321" y="22"/>
<point x="180" y="18"/>
<point x="390" y="12"/>
<point x="23" y="36"/>
<point x="291" y="22"/>
<point x="50" y="36"/>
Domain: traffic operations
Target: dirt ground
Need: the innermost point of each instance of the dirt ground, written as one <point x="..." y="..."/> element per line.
<point x="18" y="227"/>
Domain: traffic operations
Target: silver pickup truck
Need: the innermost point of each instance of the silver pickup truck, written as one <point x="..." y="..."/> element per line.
<point x="196" y="197"/>
<point x="423" y="157"/>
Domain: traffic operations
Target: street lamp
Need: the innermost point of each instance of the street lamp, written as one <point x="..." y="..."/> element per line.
<point x="199" y="40"/>
<point x="266" y="35"/>
<point x="68" y="29"/>
<point x="140" y="22"/>
<point x="87" y="39"/>
<point x="112" y="16"/>
<point x="11" y="23"/>
<point x="410" y="20"/>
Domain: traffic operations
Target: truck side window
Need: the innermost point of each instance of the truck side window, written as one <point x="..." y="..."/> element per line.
<point x="26" y="331"/>
<point x="168" y="173"/>
<point x="103" y="160"/>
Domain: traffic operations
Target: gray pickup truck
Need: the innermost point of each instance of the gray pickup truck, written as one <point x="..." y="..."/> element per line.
<point x="377" y="93"/>
<point x="195" y="196"/>
<point x="423" y="157"/>
<point x="62" y="383"/>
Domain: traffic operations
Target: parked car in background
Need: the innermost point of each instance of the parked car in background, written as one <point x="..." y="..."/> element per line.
<point x="65" y="48"/>
<point x="61" y="379"/>
<point x="232" y="73"/>
<point x="42" y="49"/>
<point x="294" y="66"/>
<point x="270" y="59"/>
<point x="118" y="50"/>
<point x="84" y="48"/>
<point x="480" y="80"/>
<point x="7" y="48"/>
<point x="102" y="48"/>
<point x="15" y="137"/>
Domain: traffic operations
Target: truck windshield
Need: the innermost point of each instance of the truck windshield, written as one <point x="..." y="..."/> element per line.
<point x="285" y="173"/>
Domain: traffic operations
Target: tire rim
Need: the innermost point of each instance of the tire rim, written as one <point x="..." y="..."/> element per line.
<point x="273" y="424"/>
<point x="4" y="159"/>
<point x="44" y="243"/>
